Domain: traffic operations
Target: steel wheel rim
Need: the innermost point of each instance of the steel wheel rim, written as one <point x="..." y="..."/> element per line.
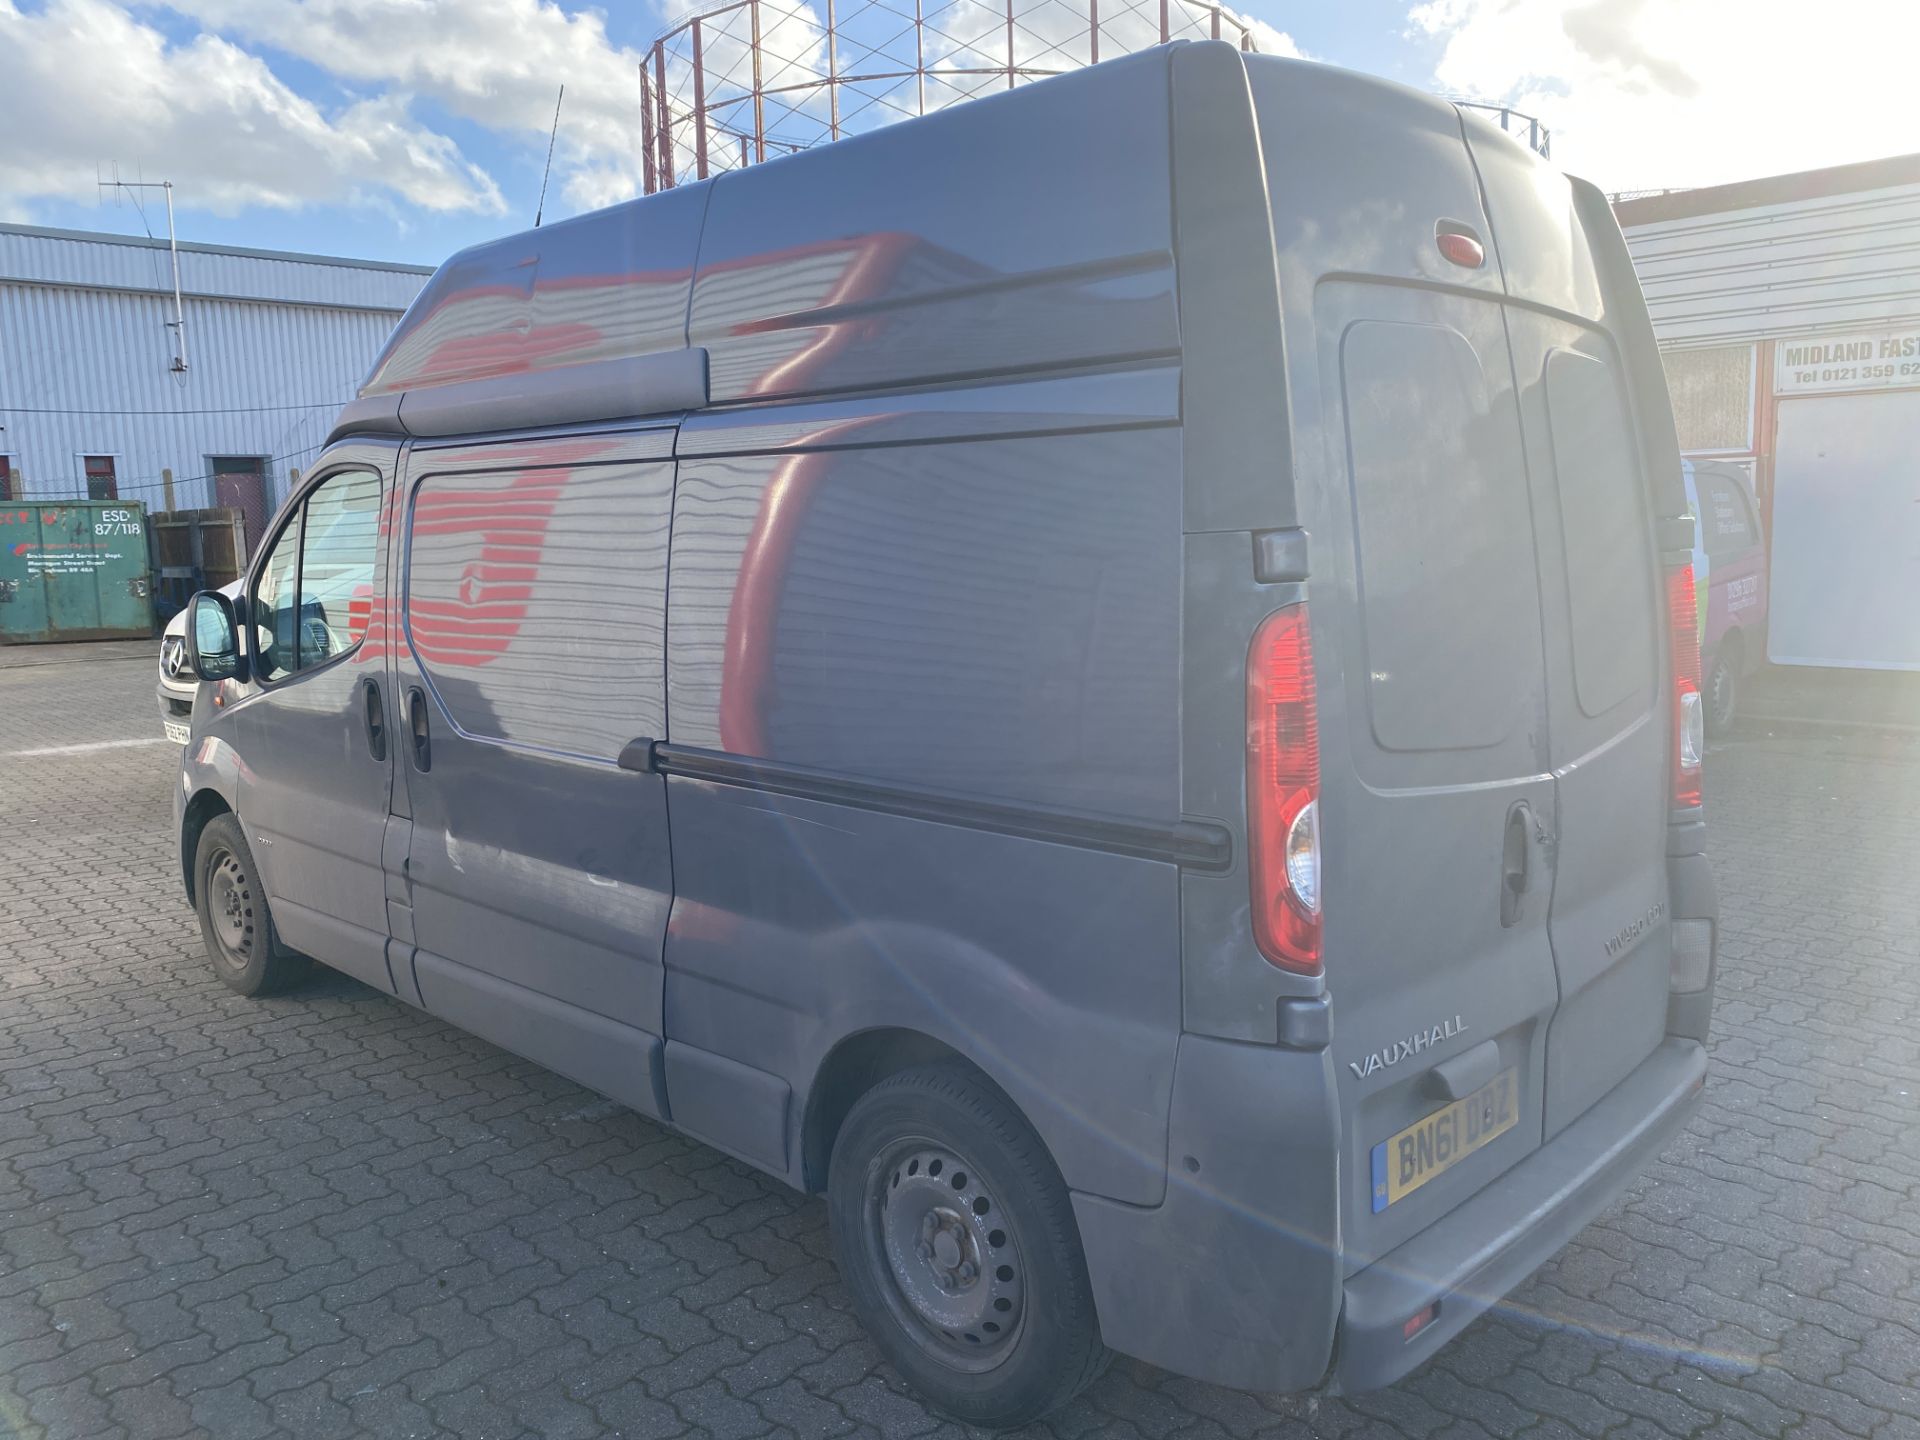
<point x="230" y="909"/>
<point x="947" y="1254"/>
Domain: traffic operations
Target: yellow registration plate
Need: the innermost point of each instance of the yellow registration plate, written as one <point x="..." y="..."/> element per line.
<point x="1404" y="1162"/>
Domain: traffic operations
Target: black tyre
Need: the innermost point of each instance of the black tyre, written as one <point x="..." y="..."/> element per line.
<point x="956" y="1237"/>
<point x="1722" y="687"/>
<point x="234" y="920"/>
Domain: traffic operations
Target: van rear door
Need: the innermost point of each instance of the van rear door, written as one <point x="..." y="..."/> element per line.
<point x="1437" y="946"/>
<point x="1602" y="608"/>
<point x="1437" y="800"/>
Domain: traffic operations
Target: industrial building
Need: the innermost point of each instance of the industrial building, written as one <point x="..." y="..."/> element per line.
<point x="1788" y="312"/>
<point x="104" y="396"/>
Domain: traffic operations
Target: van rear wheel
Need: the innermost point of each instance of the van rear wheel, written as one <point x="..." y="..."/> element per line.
<point x="235" y="922"/>
<point x="956" y="1237"/>
<point x="1723" y="686"/>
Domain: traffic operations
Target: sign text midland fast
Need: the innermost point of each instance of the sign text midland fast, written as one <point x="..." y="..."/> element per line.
<point x="1882" y="360"/>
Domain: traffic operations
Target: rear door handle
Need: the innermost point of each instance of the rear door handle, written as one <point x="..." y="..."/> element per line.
<point x="376" y="715"/>
<point x="1516" y="859"/>
<point x="417" y="723"/>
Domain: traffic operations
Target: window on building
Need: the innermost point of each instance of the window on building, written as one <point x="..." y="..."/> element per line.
<point x="8" y="490"/>
<point x="101" y="482"/>
<point x="1712" y="393"/>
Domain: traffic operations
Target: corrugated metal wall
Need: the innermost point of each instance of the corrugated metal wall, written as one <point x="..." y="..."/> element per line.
<point x="1802" y="267"/>
<point x="85" y="356"/>
<point x="69" y="257"/>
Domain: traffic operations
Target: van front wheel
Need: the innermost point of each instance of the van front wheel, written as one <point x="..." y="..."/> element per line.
<point x="234" y="920"/>
<point x="956" y="1237"/>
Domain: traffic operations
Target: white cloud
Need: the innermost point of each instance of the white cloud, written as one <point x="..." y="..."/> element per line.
<point x="498" y="63"/>
<point x="1690" y="92"/>
<point x="210" y="113"/>
<point x="1269" y="41"/>
<point x="86" y="85"/>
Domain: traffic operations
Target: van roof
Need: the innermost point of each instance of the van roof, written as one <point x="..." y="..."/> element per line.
<point x="802" y="276"/>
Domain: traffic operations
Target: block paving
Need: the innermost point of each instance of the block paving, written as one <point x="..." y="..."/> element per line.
<point x="329" y="1215"/>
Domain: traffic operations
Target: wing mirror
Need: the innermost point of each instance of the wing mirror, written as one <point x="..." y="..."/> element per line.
<point x="213" y="638"/>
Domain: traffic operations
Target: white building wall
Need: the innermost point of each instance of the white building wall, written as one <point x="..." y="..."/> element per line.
<point x="275" y="346"/>
<point x="1788" y="311"/>
<point x="1801" y="267"/>
<point x="131" y="262"/>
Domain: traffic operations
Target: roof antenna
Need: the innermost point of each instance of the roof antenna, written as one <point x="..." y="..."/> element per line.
<point x="541" y="208"/>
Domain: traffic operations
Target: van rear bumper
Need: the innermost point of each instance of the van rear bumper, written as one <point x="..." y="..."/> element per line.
<point x="1468" y="1260"/>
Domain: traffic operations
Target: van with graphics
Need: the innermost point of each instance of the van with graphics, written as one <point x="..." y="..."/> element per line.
<point x="1730" y="579"/>
<point x="1107" y="678"/>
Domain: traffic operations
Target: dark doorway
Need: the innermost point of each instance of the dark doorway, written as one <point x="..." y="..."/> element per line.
<point x="240" y="481"/>
<point x="101" y="482"/>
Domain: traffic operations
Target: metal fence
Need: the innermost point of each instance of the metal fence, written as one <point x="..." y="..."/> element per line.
<point x="1524" y="128"/>
<point x="749" y="79"/>
<point x="752" y="79"/>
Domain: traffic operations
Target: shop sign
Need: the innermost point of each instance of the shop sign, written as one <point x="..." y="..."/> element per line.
<point x="1877" y="360"/>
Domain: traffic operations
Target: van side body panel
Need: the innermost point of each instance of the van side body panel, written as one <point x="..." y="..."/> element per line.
<point x="1235" y="1278"/>
<point x="1729" y="562"/>
<point x="813" y="279"/>
<point x="910" y="596"/>
<point x="797" y="924"/>
<point x="926" y="544"/>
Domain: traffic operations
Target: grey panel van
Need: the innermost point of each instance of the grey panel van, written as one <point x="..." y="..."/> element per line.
<point x="1107" y="677"/>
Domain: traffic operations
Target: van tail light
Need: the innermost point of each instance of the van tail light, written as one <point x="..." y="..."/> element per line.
<point x="1689" y="719"/>
<point x="1283" y="792"/>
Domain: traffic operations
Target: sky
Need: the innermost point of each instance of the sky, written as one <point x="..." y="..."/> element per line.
<point x="405" y="129"/>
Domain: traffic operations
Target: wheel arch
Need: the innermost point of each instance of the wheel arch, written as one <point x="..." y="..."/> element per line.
<point x="856" y="1064"/>
<point x="200" y="811"/>
<point x="1733" y="642"/>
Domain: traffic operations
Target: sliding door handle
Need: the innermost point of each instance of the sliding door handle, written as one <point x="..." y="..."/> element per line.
<point x="376" y="717"/>
<point x="417" y="724"/>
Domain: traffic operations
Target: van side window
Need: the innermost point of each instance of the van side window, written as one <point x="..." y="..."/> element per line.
<point x="314" y="597"/>
<point x="273" y="608"/>
<point x="1604" y="530"/>
<point x="337" y="544"/>
<point x="536" y="602"/>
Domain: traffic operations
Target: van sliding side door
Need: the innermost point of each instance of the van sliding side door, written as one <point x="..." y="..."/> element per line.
<point x="537" y="873"/>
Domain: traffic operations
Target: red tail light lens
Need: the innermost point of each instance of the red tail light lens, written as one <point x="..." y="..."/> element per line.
<point x="1462" y="250"/>
<point x="1689" y="719"/>
<point x="1283" y="792"/>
